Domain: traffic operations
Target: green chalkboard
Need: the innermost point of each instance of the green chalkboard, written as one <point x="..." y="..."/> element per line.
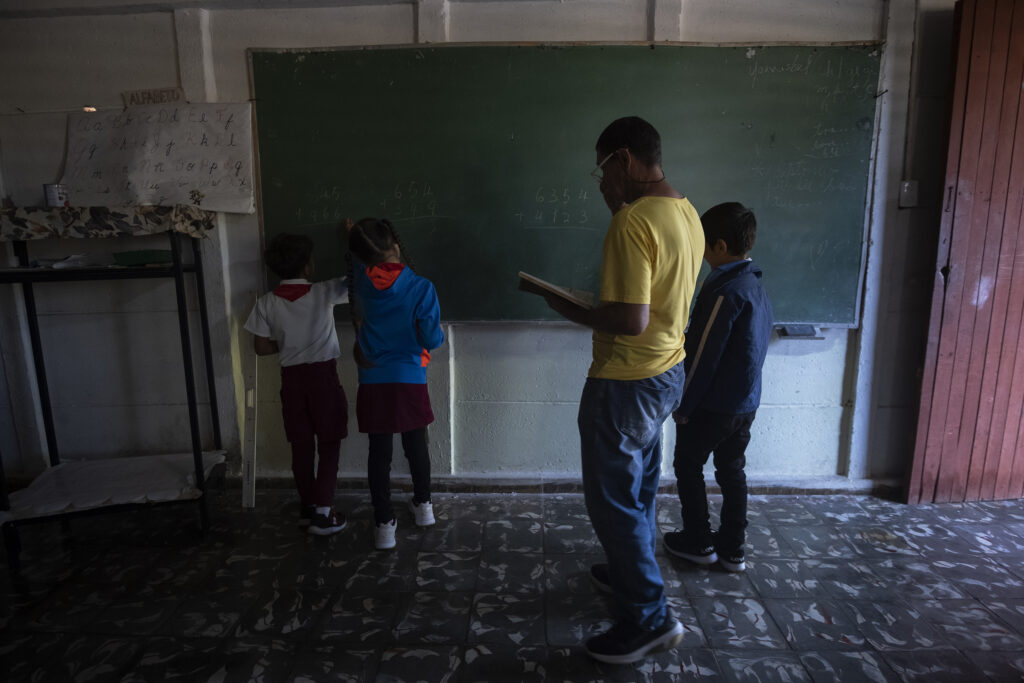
<point x="481" y="157"/>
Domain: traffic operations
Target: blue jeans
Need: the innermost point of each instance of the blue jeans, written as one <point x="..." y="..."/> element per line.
<point x="620" y="432"/>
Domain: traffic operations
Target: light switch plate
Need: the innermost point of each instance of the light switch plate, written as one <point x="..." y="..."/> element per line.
<point x="908" y="194"/>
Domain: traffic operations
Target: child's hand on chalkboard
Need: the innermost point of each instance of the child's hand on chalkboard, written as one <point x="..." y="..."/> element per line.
<point x="349" y="224"/>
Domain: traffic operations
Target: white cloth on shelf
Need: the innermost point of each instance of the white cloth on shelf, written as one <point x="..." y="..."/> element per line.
<point x="78" y="485"/>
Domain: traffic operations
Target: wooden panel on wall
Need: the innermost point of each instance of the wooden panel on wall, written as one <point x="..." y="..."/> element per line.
<point x="970" y="423"/>
<point x="1003" y="403"/>
<point x="925" y="462"/>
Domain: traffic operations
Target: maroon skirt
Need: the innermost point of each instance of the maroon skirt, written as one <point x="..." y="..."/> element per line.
<point x="313" y="403"/>
<point x="392" y="408"/>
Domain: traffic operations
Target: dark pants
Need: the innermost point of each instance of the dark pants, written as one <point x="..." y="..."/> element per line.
<point x="727" y="437"/>
<point x="316" y="485"/>
<point x="315" y="413"/>
<point x="414" y="445"/>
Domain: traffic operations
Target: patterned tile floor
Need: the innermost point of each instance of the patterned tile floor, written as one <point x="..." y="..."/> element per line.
<point x="838" y="588"/>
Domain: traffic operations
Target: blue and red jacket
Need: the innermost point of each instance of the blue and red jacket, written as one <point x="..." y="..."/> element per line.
<point x="401" y="323"/>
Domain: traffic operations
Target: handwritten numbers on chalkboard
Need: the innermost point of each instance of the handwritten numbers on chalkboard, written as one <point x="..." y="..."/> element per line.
<point x="412" y="190"/>
<point x="318" y="215"/>
<point x="557" y="207"/>
<point x="410" y="200"/>
<point x="553" y="195"/>
<point x="330" y="194"/>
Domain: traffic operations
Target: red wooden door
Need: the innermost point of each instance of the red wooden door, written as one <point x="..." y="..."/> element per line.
<point x="970" y="432"/>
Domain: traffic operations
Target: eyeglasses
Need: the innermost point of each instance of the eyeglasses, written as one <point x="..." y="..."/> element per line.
<point x="598" y="174"/>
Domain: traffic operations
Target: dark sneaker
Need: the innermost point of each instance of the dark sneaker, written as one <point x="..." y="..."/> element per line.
<point x="732" y="561"/>
<point x="624" y="643"/>
<point x="306" y="515"/>
<point x="678" y="545"/>
<point x="599" y="578"/>
<point x="325" y="525"/>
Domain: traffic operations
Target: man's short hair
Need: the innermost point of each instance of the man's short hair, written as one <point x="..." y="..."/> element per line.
<point x="634" y="134"/>
<point x="288" y="255"/>
<point x="733" y="223"/>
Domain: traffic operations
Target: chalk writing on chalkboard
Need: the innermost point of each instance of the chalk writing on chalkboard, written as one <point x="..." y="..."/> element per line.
<point x="560" y="207"/>
<point x="406" y="200"/>
<point x="199" y="154"/>
<point x="504" y="136"/>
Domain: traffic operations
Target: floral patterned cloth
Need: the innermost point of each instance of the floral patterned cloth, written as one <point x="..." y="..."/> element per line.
<point x="35" y="223"/>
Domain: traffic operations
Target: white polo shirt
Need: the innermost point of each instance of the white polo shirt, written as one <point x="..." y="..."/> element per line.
<point x="303" y="329"/>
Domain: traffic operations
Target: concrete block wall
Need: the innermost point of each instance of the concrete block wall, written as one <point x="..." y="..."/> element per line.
<point x="504" y="394"/>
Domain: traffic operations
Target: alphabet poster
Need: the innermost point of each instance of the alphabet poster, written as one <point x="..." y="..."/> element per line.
<point x="162" y="154"/>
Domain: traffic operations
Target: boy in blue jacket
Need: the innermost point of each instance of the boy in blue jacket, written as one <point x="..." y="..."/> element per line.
<point x="725" y="349"/>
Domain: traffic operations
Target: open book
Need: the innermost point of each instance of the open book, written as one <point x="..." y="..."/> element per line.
<point x="534" y="285"/>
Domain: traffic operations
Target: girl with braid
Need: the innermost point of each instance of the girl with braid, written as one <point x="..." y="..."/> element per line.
<point x="398" y="322"/>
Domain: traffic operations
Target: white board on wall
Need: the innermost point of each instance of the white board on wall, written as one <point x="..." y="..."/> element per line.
<point x="164" y="154"/>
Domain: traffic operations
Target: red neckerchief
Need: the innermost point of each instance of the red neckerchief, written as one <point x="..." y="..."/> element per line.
<point x="292" y="292"/>
<point x="383" y="275"/>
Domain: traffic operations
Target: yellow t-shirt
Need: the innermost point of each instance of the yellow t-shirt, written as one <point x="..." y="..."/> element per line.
<point x="652" y="253"/>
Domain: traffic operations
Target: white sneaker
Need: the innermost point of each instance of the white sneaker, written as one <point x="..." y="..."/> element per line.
<point x="424" y="513"/>
<point x="385" y="536"/>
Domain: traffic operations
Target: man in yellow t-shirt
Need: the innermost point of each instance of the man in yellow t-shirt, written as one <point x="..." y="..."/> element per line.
<point x="652" y="253"/>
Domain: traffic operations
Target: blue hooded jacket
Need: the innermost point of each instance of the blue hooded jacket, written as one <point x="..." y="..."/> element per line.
<point x="726" y="343"/>
<point x="399" y="323"/>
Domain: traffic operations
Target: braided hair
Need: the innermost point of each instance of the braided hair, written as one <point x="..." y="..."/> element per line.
<point x="370" y="239"/>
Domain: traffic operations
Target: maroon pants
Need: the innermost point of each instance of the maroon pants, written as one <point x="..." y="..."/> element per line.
<point x="315" y="413"/>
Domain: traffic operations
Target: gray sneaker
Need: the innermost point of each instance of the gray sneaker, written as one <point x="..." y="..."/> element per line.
<point x="384" y="536"/>
<point x="423" y="513"/>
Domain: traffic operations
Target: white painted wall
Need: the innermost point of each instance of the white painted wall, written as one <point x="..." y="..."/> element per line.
<point x="505" y="395"/>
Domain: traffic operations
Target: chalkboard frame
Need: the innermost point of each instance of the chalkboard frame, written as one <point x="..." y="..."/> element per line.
<point x="853" y="321"/>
